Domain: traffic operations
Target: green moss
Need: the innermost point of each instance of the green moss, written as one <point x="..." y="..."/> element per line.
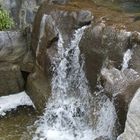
<point x="5" y="21"/>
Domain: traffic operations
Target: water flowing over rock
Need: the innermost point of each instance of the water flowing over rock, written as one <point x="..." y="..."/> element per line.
<point x="68" y="114"/>
<point x="78" y="70"/>
<point x="101" y="43"/>
<point x="49" y="19"/>
<point x="122" y="85"/>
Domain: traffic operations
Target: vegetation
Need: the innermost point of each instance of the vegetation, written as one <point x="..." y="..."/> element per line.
<point x="5" y="21"/>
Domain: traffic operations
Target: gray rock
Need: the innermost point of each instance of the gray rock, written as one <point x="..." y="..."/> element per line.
<point x="102" y="138"/>
<point x="14" y="49"/>
<point x="51" y="22"/>
<point x="99" y="43"/>
<point x="23" y="11"/>
<point x="12" y="46"/>
<point x="122" y="85"/>
<point x="38" y="88"/>
<point x="11" y="79"/>
<point x="134" y="62"/>
<point x="132" y="125"/>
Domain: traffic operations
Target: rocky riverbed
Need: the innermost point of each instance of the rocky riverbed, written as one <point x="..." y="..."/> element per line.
<point x="78" y="62"/>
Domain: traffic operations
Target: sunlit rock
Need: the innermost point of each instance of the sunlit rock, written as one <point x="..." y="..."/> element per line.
<point x="132" y="125"/>
<point x="122" y="85"/>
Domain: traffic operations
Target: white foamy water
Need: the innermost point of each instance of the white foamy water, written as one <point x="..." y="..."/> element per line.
<point x="7" y="103"/>
<point x="127" y="57"/>
<point x="68" y="113"/>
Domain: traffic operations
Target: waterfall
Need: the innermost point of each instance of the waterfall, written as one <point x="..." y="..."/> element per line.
<point x="68" y="114"/>
<point x="127" y="57"/>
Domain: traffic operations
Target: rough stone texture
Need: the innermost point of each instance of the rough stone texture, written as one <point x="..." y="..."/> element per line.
<point x="22" y="11"/>
<point x="132" y="125"/>
<point x="15" y="56"/>
<point x="11" y="79"/>
<point x="38" y="88"/>
<point x="99" y="43"/>
<point x="58" y="1"/>
<point x="12" y="46"/>
<point x="14" y="49"/>
<point x="102" y="138"/>
<point x="52" y="20"/>
<point x="122" y="85"/>
<point x="57" y="17"/>
<point x="135" y="41"/>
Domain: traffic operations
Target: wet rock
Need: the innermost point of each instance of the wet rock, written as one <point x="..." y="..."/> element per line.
<point x="11" y="79"/>
<point x="102" y="138"/>
<point x="100" y="43"/>
<point x="134" y="62"/>
<point x="48" y="35"/>
<point x="52" y="22"/>
<point x="57" y="19"/>
<point x="38" y="88"/>
<point x="122" y="85"/>
<point x="132" y="125"/>
<point x="116" y="43"/>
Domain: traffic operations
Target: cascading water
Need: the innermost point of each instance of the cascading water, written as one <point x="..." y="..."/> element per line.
<point x="127" y="57"/>
<point x="69" y="111"/>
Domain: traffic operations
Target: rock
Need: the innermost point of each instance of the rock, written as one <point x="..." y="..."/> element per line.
<point x="84" y="18"/>
<point x="115" y="42"/>
<point x="58" y="1"/>
<point x="102" y="138"/>
<point x="12" y="46"/>
<point x="134" y="62"/>
<point x="27" y="64"/>
<point x="15" y="56"/>
<point x="51" y="23"/>
<point x="11" y="79"/>
<point x="100" y="43"/>
<point x="14" y="49"/>
<point x="38" y="88"/>
<point x="63" y="19"/>
<point x="23" y="12"/>
<point x="122" y="85"/>
<point x="132" y="125"/>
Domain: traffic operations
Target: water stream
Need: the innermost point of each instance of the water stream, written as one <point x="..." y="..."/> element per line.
<point x="127" y="57"/>
<point x="69" y="113"/>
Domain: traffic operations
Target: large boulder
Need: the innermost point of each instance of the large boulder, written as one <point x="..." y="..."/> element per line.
<point x="38" y="88"/>
<point x="132" y="125"/>
<point x="53" y="22"/>
<point x="101" y="43"/>
<point x="135" y="41"/>
<point x="15" y="49"/>
<point x="23" y="11"/>
<point x="11" y="79"/>
<point x="12" y="46"/>
<point x="15" y="59"/>
<point x="122" y="85"/>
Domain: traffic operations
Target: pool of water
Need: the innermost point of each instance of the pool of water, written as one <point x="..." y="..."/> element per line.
<point x="14" y="125"/>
